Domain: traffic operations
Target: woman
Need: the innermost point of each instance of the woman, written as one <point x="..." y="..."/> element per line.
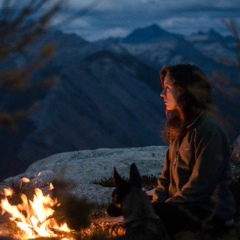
<point x="193" y="188"/>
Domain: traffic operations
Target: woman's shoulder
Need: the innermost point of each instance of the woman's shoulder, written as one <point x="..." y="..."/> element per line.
<point x="210" y="123"/>
<point x="210" y="132"/>
<point x="211" y="120"/>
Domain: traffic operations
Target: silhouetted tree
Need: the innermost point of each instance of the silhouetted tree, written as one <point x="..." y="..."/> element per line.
<point x="23" y="79"/>
<point x="229" y="86"/>
<point x="21" y="25"/>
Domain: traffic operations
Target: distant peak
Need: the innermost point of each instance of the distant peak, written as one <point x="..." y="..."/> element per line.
<point x="59" y="34"/>
<point x="211" y="36"/>
<point x="213" y="32"/>
<point x="153" y="26"/>
<point x="148" y="34"/>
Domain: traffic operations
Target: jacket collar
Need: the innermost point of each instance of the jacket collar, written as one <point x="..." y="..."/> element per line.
<point x="195" y="120"/>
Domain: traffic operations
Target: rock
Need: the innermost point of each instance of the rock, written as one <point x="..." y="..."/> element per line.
<point x="82" y="169"/>
<point x="235" y="155"/>
<point x="235" y="168"/>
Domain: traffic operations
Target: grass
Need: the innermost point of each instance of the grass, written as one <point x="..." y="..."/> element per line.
<point x="148" y="182"/>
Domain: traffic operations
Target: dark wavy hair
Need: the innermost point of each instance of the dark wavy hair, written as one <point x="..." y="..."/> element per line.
<point x="195" y="97"/>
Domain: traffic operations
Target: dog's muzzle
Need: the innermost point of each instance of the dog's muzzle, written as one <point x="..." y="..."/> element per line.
<point x="114" y="211"/>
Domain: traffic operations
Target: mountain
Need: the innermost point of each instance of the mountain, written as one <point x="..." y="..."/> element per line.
<point x="108" y="95"/>
<point x="213" y="45"/>
<point x="210" y="36"/>
<point x="97" y="105"/>
<point x="149" y="34"/>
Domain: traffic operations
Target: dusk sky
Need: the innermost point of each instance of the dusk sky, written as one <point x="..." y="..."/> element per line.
<point x="112" y="18"/>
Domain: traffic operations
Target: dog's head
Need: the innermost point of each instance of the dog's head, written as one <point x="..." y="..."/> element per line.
<point x="122" y="190"/>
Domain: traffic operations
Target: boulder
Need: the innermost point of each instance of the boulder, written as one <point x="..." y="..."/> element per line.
<point x="82" y="170"/>
<point x="235" y="167"/>
<point x="235" y="155"/>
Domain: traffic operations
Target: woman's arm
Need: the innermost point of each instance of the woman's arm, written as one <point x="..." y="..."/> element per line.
<point x="211" y="151"/>
<point x="161" y="191"/>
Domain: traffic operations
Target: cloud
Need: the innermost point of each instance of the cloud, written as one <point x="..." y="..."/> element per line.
<point x="149" y="1"/>
<point x="191" y="24"/>
<point x="118" y="18"/>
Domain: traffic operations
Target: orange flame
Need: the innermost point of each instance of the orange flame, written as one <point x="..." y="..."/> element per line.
<point x="34" y="217"/>
<point x="8" y="192"/>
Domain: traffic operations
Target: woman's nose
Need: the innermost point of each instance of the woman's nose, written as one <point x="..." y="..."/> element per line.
<point x="163" y="93"/>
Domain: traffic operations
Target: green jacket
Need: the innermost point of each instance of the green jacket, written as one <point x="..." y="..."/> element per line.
<point x="196" y="169"/>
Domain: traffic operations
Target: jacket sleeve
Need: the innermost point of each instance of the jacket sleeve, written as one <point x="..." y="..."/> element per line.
<point x="161" y="191"/>
<point x="211" y="150"/>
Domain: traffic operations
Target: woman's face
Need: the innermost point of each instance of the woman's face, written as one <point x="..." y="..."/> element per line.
<point x="170" y="93"/>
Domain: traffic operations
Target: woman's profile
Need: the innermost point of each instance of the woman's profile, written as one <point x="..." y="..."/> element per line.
<point x="193" y="188"/>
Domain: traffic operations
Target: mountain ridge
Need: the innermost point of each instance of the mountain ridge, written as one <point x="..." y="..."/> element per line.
<point x="148" y="34"/>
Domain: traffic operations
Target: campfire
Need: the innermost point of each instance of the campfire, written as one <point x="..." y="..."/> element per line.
<point x="33" y="217"/>
<point x="33" y="214"/>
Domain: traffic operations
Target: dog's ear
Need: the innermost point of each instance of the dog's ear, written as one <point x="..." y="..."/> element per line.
<point x="117" y="178"/>
<point x="135" y="176"/>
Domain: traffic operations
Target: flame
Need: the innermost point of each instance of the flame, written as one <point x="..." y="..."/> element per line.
<point x="25" y="180"/>
<point x="33" y="217"/>
<point x="8" y="192"/>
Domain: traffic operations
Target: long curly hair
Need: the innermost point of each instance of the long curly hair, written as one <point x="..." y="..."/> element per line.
<point x="195" y="97"/>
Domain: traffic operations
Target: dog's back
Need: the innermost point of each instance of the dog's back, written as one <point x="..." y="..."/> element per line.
<point x="128" y="200"/>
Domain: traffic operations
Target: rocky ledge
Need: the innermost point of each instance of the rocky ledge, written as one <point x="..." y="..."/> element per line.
<point x="83" y="169"/>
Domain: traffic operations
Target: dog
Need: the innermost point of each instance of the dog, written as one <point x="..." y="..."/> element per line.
<point x="129" y="201"/>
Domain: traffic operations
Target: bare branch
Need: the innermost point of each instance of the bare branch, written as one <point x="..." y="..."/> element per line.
<point x="22" y="23"/>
